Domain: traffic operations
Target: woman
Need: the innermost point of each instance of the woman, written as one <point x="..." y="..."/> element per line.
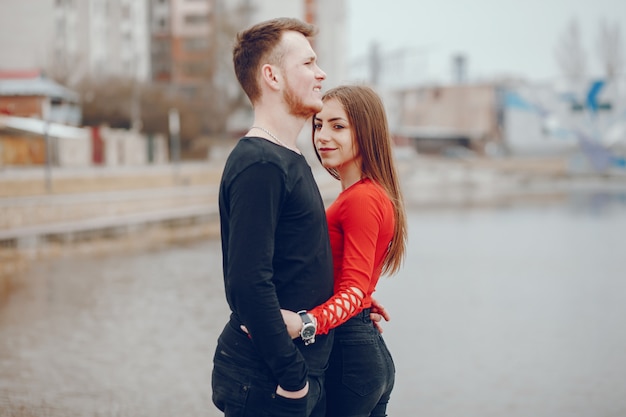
<point x="367" y="227"/>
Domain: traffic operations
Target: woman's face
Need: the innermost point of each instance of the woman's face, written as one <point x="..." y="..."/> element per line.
<point x="332" y="137"/>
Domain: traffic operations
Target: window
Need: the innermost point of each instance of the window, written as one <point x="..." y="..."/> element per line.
<point x="196" y="68"/>
<point x="126" y="12"/>
<point x="197" y="19"/>
<point x="196" y="44"/>
<point x="60" y="27"/>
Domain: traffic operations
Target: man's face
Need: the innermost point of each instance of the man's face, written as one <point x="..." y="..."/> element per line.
<point x="302" y="87"/>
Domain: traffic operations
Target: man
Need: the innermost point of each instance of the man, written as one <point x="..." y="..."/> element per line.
<point x="275" y="245"/>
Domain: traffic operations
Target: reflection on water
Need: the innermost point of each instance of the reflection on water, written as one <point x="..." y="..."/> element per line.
<point x="507" y="312"/>
<point x="126" y="335"/>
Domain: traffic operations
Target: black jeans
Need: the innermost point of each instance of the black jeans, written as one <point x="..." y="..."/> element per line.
<point x="240" y="390"/>
<point x="361" y="372"/>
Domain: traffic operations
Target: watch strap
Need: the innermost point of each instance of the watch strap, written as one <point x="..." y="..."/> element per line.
<point x="305" y="317"/>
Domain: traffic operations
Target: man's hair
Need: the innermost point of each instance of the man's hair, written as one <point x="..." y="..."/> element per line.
<point x="256" y="46"/>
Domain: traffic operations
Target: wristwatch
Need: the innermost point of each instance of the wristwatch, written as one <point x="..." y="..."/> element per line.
<point x="308" y="328"/>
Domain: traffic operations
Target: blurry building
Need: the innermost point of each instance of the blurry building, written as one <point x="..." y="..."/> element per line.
<point x="184" y="46"/>
<point x="180" y="32"/>
<point x="101" y="39"/>
<point x="436" y="118"/>
<point x="26" y="29"/>
<point x="30" y="94"/>
<point x="191" y="48"/>
<point x="586" y="118"/>
<point x="74" y="40"/>
<point x="30" y="142"/>
<point x="188" y="35"/>
<point x="164" y="40"/>
<point x="559" y="117"/>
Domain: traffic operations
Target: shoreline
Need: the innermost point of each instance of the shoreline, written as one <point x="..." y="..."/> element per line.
<point x="96" y="210"/>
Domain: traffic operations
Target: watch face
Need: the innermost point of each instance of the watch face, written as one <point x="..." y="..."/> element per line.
<point x="308" y="332"/>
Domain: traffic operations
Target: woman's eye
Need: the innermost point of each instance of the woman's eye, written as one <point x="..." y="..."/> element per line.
<point x="317" y="126"/>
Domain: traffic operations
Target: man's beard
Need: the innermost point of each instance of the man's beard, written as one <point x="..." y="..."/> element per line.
<point x="297" y="107"/>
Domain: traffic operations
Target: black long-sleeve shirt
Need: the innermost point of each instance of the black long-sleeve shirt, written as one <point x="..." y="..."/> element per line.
<point x="276" y="254"/>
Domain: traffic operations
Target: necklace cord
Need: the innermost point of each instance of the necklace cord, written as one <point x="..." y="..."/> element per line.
<point x="278" y="141"/>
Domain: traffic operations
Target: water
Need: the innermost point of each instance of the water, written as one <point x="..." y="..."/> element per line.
<point x="123" y="335"/>
<point x="516" y="311"/>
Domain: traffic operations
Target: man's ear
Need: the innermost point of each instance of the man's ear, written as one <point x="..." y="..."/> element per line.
<point x="271" y="76"/>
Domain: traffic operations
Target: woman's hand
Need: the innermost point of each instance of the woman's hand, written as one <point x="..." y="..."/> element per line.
<point x="377" y="314"/>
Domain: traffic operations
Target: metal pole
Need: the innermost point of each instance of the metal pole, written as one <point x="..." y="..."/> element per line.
<point x="45" y="112"/>
<point x="48" y="144"/>
<point x="174" y="126"/>
<point x="375" y="64"/>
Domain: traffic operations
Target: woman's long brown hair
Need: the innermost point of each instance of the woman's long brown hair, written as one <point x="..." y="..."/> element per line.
<point x="366" y="114"/>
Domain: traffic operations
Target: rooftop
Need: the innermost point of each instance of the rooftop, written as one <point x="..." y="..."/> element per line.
<point x="33" y="83"/>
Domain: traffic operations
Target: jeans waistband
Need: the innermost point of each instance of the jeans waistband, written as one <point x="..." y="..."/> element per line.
<point x="248" y="357"/>
<point x="363" y="315"/>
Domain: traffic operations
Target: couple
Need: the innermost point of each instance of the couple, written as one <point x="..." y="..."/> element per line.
<point x="277" y="240"/>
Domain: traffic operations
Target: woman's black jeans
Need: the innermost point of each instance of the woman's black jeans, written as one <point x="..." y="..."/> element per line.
<point x="361" y="373"/>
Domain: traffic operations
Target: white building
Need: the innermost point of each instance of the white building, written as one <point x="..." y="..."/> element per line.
<point x="76" y="39"/>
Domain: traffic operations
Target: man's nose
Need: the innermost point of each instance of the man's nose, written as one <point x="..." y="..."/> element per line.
<point x="321" y="74"/>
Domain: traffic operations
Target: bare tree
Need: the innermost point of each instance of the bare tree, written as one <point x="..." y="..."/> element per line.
<point x="109" y="102"/>
<point x="222" y="95"/>
<point x="610" y="48"/>
<point x="106" y="102"/>
<point x="570" y="54"/>
<point x="205" y="101"/>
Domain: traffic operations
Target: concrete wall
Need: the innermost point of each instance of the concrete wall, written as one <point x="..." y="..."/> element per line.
<point x="74" y="147"/>
<point x="467" y="108"/>
<point x="126" y="147"/>
<point x="72" y="152"/>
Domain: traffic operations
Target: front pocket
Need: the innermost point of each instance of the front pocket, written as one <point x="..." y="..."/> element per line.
<point x="290" y="406"/>
<point x="230" y="388"/>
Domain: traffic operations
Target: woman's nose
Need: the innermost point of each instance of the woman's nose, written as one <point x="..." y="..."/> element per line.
<point x="320" y="135"/>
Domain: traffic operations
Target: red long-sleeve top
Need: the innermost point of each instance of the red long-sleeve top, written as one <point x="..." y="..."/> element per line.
<point x="361" y="224"/>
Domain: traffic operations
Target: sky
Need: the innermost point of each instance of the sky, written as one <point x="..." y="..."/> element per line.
<point x="497" y="37"/>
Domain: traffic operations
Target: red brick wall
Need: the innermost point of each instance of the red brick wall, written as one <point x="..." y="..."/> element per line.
<point x="24" y="106"/>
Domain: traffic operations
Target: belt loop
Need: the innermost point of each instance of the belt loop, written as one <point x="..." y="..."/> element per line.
<point x="365" y="315"/>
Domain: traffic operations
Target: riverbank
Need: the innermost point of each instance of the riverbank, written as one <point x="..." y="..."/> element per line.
<point x="97" y="210"/>
<point x="436" y="182"/>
